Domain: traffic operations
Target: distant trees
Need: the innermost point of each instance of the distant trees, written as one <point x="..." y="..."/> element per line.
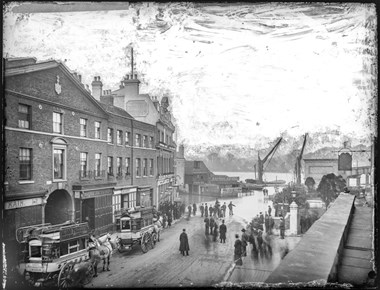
<point x="330" y="186"/>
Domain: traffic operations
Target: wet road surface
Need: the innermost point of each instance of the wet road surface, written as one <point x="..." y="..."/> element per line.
<point x="209" y="262"/>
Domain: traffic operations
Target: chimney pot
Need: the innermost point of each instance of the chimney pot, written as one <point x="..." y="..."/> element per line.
<point x="75" y="74"/>
<point x="80" y="78"/>
<point x="135" y="76"/>
<point x="127" y="77"/>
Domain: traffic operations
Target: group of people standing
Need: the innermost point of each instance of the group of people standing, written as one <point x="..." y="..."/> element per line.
<point x="170" y="211"/>
<point x="216" y="210"/>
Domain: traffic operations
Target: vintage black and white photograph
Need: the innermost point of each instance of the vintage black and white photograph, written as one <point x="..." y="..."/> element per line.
<point x="189" y="144"/>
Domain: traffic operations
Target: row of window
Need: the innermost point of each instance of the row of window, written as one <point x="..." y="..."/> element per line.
<point x="144" y="166"/>
<point x="164" y="138"/>
<point x="24" y="121"/>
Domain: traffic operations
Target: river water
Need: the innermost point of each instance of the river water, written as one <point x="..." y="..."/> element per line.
<point x="268" y="176"/>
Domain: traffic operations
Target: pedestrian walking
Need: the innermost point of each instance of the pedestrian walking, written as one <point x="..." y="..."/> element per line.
<point x="238" y="251"/>
<point x="222" y="232"/>
<point x="184" y="243"/>
<point x="282" y="228"/>
<point x="261" y="218"/>
<point x="266" y="222"/>
<point x="212" y="223"/>
<point x="211" y="210"/>
<point x="206" y="210"/>
<point x="230" y="207"/>
<point x="215" y="232"/>
<point x="189" y="213"/>
<point x="252" y="242"/>
<point x="269" y="210"/>
<point x="170" y="219"/>
<point x="194" y="208"/>
<point x="164" y="220"/>
<point x="202" y="209"/>
<point x="224" y="207"/>
<point x="259" y="241"/>
<point x="271" y="224"/>
<point x="207" y="225"/>
<point x="244" y="242"/>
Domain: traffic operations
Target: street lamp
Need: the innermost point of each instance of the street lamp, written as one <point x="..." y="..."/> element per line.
<point x="294" y="195"/>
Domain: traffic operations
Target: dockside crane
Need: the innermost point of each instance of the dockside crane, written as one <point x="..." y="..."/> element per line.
<point x="298" y="162"/>
<point x="261" y="162"/>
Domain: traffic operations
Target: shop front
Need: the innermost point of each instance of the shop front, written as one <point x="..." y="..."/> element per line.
<point x="95" y="207"/>
<point x="165" y="189"/>
<point x="145" y="195"/>
<point x="123" y="198"/>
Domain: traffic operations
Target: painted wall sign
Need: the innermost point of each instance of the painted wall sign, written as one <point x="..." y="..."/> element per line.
<point x="23" y="203"/>
<point x="92" y="194"/>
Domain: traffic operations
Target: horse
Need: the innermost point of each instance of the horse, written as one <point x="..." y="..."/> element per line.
<point x="102" y="251"/>
<point x="158" y="226"/>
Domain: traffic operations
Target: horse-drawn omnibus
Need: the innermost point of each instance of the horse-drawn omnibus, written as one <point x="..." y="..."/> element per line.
<point x="138" y="226"/>
<point x="55" y="255"/>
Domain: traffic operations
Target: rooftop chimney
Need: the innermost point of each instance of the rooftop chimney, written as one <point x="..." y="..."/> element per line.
<point x="80" y="78"/>
<point x="97" y="86"/>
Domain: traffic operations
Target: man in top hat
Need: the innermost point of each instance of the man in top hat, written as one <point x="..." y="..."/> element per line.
<point x="184" y="243"/>
<point x="244" y="240"/>
<point x="202" y="208"/>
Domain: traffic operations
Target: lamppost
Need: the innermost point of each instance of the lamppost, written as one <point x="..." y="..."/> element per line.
<point x="294" y="195"/>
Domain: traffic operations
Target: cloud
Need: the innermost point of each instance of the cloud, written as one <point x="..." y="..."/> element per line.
<point x="273" y="64"/>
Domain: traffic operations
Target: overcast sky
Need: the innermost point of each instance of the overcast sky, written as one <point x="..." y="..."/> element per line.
<point x="234" y="73"/>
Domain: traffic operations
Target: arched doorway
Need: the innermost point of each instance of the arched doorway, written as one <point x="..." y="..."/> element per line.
<point x="58" y="207"/>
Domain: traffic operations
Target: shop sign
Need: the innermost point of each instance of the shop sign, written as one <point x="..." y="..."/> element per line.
<point x="23" y="203"/>
<point x="161" y="182"/>
<point x="95" y="193"/>
<point x="77" y="194"/>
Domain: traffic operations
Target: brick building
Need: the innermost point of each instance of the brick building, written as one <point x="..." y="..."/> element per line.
<point x="69" y="156"/>
<point x="149" y="110"/>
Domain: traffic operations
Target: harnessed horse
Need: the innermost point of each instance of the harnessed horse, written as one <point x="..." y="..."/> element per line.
<point x="158" y="227"/>
<point x="101" y="249"/>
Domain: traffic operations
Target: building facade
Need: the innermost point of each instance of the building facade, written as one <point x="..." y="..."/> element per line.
<point x="68" y="155"/>
<point x="149" y="110"/>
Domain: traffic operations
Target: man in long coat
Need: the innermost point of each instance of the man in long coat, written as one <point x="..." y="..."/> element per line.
<point x="222" y="232"/>
<point x="207" y="225"/>
<point x="206" y="210"/>
<point x="202" y="208"/>
<point x="230" y="207"/>
<point x="266" y="223"/>
<point x="238" y="251"/>
<point x="184" y="243"/>
<point x="244" y="241"/>
<point x="215" y="231"/>
<point x="194" y="208"/>
<point x="224" y="208"/>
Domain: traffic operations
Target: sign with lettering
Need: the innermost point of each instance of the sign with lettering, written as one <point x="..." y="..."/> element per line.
<point x="73" y="232"/>
<point x="95" y="193"/>
<point x="23" y="203"/>
<point x="161" y="182"/>
<point x="125" y="191"/>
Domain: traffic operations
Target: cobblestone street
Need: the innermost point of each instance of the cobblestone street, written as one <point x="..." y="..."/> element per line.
<point x="209" y="262"/>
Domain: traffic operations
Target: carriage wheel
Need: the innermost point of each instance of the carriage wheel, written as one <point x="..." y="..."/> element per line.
<point x="154" y="240"/>
<point x="28" y="277"/>
<point x="89" y="273"/>
<point x="145" y="241"/>
<point x="64" y="279"/>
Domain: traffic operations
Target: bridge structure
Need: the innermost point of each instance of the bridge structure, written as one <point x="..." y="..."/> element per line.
<point x="338" y="248"/>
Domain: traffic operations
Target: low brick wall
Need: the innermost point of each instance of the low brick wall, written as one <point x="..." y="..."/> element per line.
<point x="316" y="256"/>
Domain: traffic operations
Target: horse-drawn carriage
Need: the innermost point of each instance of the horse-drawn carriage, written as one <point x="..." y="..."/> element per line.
<point x="55" y="255"/>
<point x="138" y="226"/>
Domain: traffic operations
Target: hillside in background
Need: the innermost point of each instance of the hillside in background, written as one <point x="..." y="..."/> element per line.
<point x="244" y="158"/>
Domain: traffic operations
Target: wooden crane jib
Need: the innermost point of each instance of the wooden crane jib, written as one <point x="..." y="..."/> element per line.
<point x="261" y="162"/>
<point x="298" y="163"/>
